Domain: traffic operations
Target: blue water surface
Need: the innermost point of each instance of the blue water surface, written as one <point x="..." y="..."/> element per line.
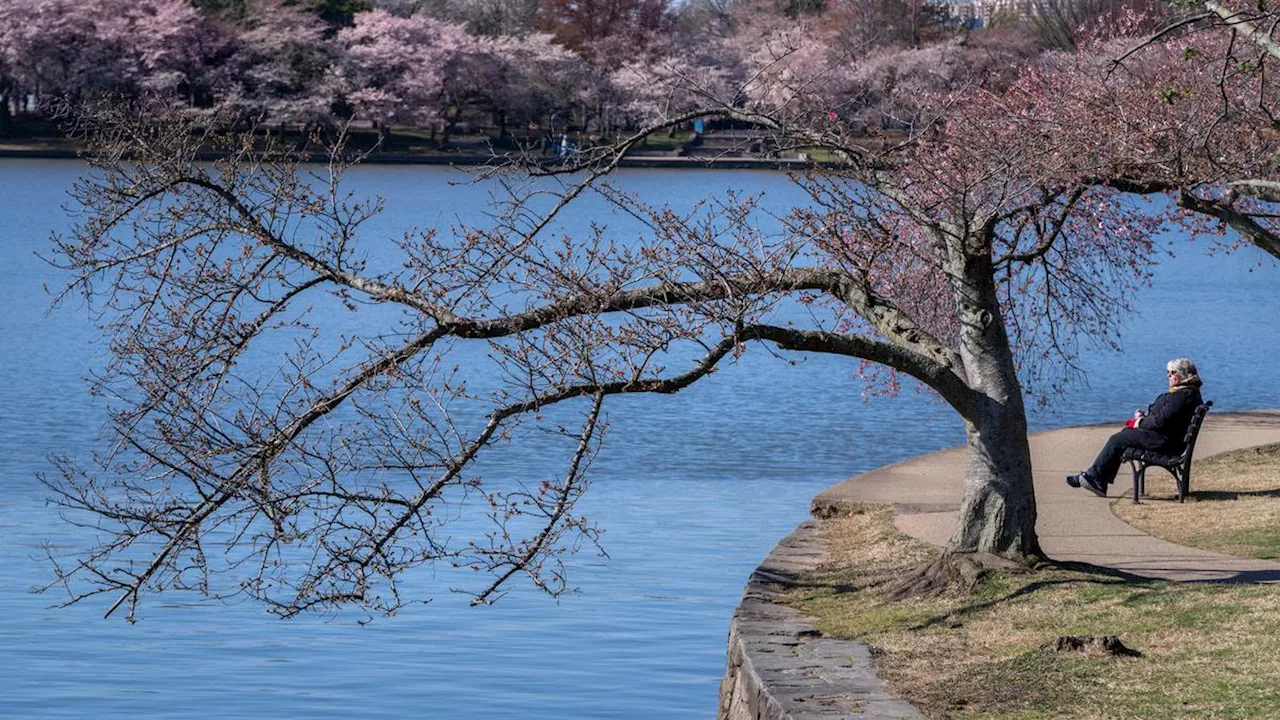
<point x="692" y="491"/>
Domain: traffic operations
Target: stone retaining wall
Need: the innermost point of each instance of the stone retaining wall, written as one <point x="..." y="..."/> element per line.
<point x="780" y="666"/>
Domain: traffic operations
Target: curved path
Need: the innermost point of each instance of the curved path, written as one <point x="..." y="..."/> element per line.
<point x="1073" y="524"/>
<point x="779" y="667"/>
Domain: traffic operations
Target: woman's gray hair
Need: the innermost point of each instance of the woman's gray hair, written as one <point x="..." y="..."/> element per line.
<point x="1182" y="366"/>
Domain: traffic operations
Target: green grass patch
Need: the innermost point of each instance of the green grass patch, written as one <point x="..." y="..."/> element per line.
<point x="1034" y="684"/>
<point x="1208" y="650"/>
<point x="663" y="143"/>
<point x="1234" y="506"/>
<point x="1258" y="542"/>
<point x="821" y="155"/>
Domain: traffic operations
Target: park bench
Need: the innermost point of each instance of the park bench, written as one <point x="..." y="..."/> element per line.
<point x="1179" y="466"/>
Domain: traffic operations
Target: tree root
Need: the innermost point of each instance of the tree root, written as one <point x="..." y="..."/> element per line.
<point x="954" y="573"/>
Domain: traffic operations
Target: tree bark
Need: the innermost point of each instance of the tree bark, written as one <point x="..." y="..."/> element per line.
<point x="997" y="523"/>
<point x="998" y="511"/>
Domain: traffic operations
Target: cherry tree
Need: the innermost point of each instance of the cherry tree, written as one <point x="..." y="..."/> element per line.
<point x="398" y="69"/>
<point x="281" y="66"/>
<point x="1065" y="25"/>
<point x="493" y="18"/>
<point x="528" y="78"/>
<point x="11" y="91"/>
<point x="60" y="47"/>
<point x="48" y="47"/>
<point x="791" y="67"/>
<point x="1188" y="113"/>
<point x="975" y="254"/>
<point x="168" y="41"/>
<point x="1240" y="140"/>
<point x="322" y="484"/>
<point x="652" y="89"/>
<point x="604" y="31"/>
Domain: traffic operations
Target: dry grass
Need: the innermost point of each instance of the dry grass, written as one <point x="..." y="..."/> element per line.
<point x="1209" y="651"/>
<point x="1234" y="507"/>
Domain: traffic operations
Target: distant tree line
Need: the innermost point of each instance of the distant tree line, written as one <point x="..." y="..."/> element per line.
<point x="543" y="66"/>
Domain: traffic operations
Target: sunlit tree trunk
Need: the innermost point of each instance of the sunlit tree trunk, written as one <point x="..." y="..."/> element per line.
<point x="998" y="512"/>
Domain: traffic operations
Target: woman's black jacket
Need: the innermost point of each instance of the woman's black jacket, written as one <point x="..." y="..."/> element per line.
<point x="1169" y="416"/>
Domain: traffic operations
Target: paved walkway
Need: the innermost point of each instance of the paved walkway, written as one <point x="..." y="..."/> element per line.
<point x="779" y="667"/>
<point x="1073" y="524"/>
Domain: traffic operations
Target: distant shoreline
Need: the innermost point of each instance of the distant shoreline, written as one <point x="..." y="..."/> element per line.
<point x="33" y="152"/>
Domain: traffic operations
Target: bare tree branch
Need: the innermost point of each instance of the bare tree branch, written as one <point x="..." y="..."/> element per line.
<point x="1239" y="23"/>
<point x="1248" y="227"/>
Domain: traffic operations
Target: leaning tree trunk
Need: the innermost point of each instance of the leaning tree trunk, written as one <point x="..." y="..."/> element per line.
<point x="998" y="512"/>
<point x="997" y="524"/>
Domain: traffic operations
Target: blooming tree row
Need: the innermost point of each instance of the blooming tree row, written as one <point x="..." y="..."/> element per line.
<point x="594" y="65"/>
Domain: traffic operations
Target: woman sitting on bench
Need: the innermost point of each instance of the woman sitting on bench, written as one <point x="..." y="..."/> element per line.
<point x="1160" y="428"/>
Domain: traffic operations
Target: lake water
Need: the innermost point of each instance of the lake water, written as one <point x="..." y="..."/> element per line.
<point x="692" y="491"/>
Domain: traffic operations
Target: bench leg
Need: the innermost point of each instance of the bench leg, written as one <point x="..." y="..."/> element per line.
<point x="1138" y="473"/>
<point x="1183" y="486"/>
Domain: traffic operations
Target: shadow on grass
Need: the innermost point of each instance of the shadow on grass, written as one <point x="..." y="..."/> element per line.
<point x="1225" y="495"/>
<point x="1086" y="573"/>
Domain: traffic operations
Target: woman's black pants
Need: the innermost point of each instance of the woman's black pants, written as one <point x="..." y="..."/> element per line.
<point x="1107" y="464"/>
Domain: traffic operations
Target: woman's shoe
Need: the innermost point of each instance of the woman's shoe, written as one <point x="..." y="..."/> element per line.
<point x="1095" y="486"/>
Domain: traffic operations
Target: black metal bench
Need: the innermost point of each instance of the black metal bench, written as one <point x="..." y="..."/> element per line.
<point x="1179" y="466"/>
